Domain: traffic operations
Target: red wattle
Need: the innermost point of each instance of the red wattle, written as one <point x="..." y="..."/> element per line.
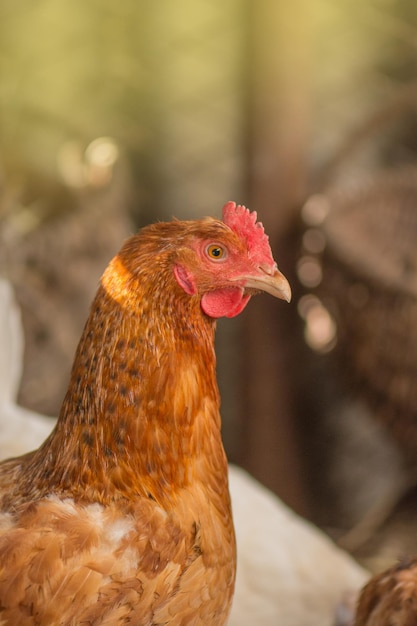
<point x="224" y="302"/>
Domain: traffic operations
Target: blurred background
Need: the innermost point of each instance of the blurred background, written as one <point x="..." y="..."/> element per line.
<point x="114" y="114"/>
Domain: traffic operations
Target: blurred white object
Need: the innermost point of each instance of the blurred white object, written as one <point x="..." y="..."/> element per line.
<point x="21" y="430"/>
<point x="288" y="574"/>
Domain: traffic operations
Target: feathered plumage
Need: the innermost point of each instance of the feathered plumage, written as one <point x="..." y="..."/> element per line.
<point x="123" y="513"/>
<point x="390" y="598"/>
<point x="288" y="572"/>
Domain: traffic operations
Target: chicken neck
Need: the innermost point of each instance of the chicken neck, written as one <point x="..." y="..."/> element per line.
<point x="140" y="417"/>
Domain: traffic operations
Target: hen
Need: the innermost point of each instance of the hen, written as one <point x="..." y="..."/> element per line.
<point x="288" y="572"/>
<point x="390" y="598"/>
<point x="123" y="514"/>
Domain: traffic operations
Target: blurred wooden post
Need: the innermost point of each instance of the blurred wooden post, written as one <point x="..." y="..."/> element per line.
<point x="279" y="121"/>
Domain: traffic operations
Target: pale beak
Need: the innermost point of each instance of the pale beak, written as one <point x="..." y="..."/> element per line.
<point x="271" y="280"/>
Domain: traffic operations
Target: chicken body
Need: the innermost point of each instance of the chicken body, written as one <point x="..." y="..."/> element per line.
<point x="390" y="598"/>
<point x="288" y="572"/>
<point x="123" y="514"/>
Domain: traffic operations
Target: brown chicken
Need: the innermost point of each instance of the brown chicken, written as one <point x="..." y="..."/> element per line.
<point x="123" y="515"/>
<point x="390" y="598"/>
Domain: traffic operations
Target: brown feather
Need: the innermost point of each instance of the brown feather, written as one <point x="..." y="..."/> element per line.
<point x="390" y="598"/>
<point x="123" y="515"/>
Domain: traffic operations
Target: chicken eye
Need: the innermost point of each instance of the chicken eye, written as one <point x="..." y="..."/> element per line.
<point x="215" y="251"/>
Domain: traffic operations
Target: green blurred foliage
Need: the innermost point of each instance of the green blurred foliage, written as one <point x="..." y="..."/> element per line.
<point x="171" y="82"/>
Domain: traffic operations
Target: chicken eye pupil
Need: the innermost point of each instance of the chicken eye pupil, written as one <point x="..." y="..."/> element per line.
<point x="215" y="252"/>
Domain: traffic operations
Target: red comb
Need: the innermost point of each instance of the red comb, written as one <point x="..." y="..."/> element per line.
<point x="243" y="223"/>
